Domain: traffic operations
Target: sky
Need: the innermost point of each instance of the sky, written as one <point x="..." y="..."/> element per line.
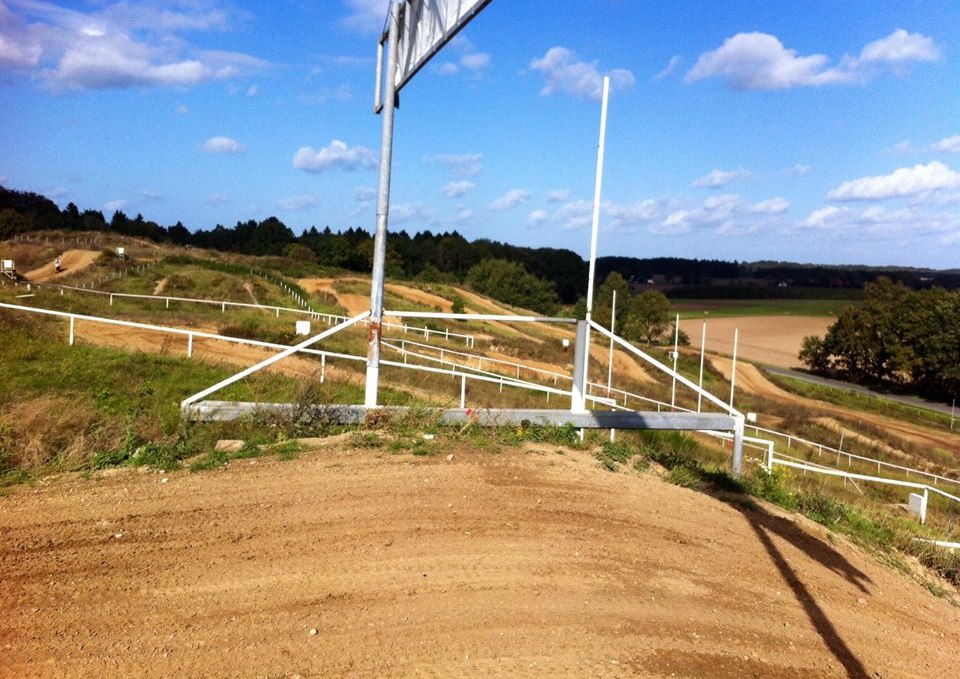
<point x="822" y="131"/>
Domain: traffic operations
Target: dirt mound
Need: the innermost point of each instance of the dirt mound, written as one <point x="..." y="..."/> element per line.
<point x="71" y="262"/>
<point x="510" y="564"/>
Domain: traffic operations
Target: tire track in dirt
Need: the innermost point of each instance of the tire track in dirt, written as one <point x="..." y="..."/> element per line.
<point x="350" y="562"/>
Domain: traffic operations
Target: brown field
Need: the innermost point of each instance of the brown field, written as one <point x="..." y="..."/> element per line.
<point x="359" y="563"/>
<point x="772" y="340"/>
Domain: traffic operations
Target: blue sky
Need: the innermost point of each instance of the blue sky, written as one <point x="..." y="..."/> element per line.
<point x="821" y="131"/>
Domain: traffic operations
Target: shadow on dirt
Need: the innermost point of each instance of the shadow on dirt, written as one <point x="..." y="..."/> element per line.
<point x="767" y="525"/>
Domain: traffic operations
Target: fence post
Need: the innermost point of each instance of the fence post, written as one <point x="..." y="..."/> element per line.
<point x="190" y="345"/>
<point x="323" y="367"/>
<point x="72" y="319"/>
<point x="738" y="448"/>
<point x="463" y="392"/>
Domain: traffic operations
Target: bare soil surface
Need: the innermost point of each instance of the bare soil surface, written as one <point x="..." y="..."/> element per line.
<point x="359" y="563"/>
<point x="71" y="261"/>
<point x="774" y="340"/>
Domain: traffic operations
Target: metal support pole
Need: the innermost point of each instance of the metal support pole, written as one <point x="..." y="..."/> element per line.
<point x="383" y="211"/>
<point x="738" y="448"/>
<point x="703" y="348"/>
<point x="463" y="392"/>
<point x="676" y="355"/>
<point x="323" y="367"/>
<point x="578" y="400"/>
<point x="72" y="319"/>
<point x="190" y="345"/>
<point x="733" y="372"/>
<point x="613" y="331"/>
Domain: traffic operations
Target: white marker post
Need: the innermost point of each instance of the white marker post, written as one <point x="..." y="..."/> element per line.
<point x="578" y="399"/>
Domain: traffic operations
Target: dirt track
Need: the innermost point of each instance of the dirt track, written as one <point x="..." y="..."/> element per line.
<point x="71" y="262"/>
<point x="510" y="564"/>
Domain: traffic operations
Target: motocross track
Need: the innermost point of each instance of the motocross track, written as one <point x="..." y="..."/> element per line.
<point x="362" y="563"/>
<point x="71" y="262"/>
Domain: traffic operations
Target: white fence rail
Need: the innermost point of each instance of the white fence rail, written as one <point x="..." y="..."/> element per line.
<point x="329" y="319"/>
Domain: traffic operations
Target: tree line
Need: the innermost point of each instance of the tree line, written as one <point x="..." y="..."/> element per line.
<point x="898" y="337"/>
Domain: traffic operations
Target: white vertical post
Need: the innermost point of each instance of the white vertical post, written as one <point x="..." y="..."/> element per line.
<point x="111" y="300"/>
<point x="953" y="410"/>
<point x="676" y="355"/>
<point x="190" y="345"/>
<point x="733" y="372"/>
<point x="323" y="367"/>
<point x="613" y="325"/>
<point x="577" y="402"/>
<point x="463" y="392"/>
<point x="738" y="448"/>
<point x="383" y="210"/>
<point x="72" y="319"/>
<point x="703" y="348"/>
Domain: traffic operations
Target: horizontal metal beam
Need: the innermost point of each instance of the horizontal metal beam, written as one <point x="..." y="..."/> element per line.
<point x="493" y="417"/>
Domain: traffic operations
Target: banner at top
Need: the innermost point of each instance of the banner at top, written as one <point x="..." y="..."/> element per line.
<point x="428" y="25"/>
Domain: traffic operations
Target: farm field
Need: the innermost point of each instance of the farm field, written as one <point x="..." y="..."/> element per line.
<point x="771" y="340"/>
<point x="361" y="562"/>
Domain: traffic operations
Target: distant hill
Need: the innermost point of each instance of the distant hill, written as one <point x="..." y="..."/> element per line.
<point x="448" y="256"/>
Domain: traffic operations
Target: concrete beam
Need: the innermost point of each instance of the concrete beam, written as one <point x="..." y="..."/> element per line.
<point x="493" y="417"/>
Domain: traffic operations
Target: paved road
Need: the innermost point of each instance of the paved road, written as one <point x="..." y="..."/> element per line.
<point x="914" y="401"/>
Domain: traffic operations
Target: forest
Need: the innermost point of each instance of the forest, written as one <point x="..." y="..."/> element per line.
<point x="449" y="256"/>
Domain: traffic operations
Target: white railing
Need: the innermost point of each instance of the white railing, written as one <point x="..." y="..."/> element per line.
<point x="330" y="319"/>
<point x="467" y="372"/>
<point x="822" y="449"/>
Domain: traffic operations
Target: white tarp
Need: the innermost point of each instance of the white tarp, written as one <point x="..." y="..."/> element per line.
<point x="427" y="26"/>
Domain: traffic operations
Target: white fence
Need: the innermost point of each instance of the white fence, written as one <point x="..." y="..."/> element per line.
<point x="329" y="319"/>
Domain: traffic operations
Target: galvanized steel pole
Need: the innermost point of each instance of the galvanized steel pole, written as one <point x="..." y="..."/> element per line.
<point x="383" y="211"/>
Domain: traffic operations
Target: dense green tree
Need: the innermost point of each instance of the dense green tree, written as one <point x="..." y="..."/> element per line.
<point x="648" y="317"/>
<point x="510" y="282"/>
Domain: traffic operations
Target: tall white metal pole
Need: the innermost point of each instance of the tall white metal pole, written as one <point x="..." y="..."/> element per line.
<point x="596" y="197"/>
<point x="582" y="388"/>
<point x="613" y="331"/>
<point x="703" y="348"/>
<point x="733" y="372"/>
<point x="676" y="355"/>
<point x="383" y="211"/>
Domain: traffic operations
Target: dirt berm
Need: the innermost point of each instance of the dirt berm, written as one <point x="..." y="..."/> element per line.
<point x="362" y="563"/>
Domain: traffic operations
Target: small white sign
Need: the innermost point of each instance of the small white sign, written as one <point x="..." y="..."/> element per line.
<point x="7" y="265"/>
<point x="918" y="506"/>
<point x="303" y="327"/>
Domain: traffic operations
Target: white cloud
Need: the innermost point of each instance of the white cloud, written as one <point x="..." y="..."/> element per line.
<point x="457" y="189"/>
<point x="252" y="91"/>
<point x="510" y="199"/>
<point x="223" y="146"/>
<point x="558" y="196"/>
<point x="475" y="61"/>
<point x="118" y="45"/>
<point x="413" y="212"/>
<point x="676" y="224"/>
<point x="364" y="194"/>
<point x="947" y="145"/>
<point x="899" y="47"/>
<point x="293" y="203"/>
<point x="800" y="169"/>
<point x="759" y="61"/>
<point x="537" y="218"/>
<point x="342" y="94"/>
<point x="566" y="75"/>
<point x="147" y="194"/>
<point x="366" y="16"/>
<point x="336" y="156"/>
<point x="872" y="222"/>
<point x="671" y="68"/>
<point x="182" y="110"/>
<point x="464" y="215"/>
<point x="772" y="206"/>
<point x="718" y="178"/>
<point x="461" y="165"/>
<point x="217" y="199"/>
<point x="114" y="205"/>
<point x="906" y="181"/>
<point x="901" y="148"/>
